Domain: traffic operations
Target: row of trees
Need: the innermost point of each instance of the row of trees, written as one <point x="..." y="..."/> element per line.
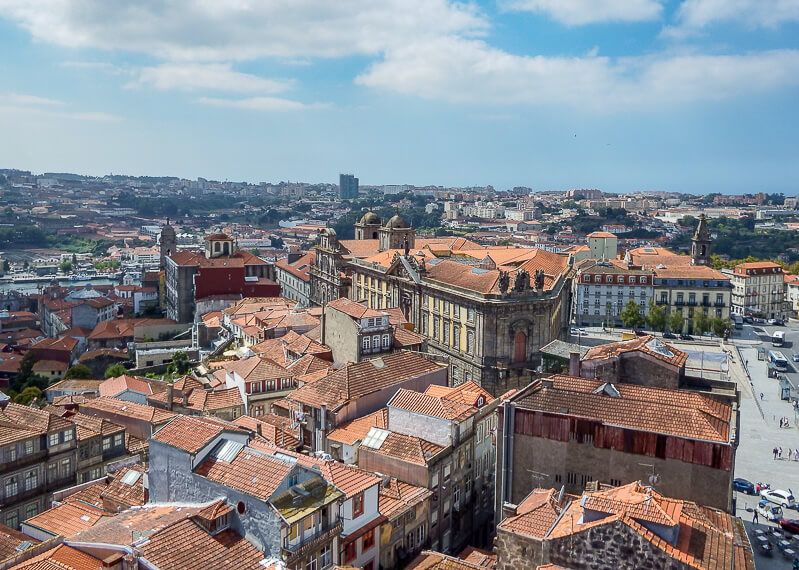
<point x="659" y="320"/>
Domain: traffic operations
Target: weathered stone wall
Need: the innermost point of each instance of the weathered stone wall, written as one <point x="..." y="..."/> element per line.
<point x="610" y="547"/>
<point x="516" y="551"/>
<point x="645" y="370"/>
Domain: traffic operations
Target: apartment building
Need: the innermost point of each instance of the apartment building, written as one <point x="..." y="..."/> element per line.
<point x="758" y="290"/>
<point x="691" y="288"/>
<point x="38" y="456"/>
<point x="602" y="289"/>
<point x="294" y="277"/>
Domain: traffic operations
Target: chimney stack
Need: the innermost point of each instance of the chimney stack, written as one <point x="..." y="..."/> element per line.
<point x="170" y="391"/>
<point x="574" y="364"/>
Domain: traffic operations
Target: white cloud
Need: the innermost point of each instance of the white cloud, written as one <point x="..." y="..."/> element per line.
<point x="275" y="104"/>
<point x="208" y="77"/>
<point x="470" y="71"/>
<point x="28" y="100"/>
<point x="697" y="14"/>
<point x="242" y="29"/>
<point x="99" y="66"/>
<point x="581" y="12"/>
<point x="24" y="104"/>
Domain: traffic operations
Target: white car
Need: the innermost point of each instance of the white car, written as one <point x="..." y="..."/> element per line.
<point x="778" y="496"/>
<point x="769" y="512"/>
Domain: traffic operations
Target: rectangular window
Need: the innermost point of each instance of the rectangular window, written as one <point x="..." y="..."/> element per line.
<point x="357" y="505"/>
<point x="28" y="447"/>
<point x="31" y="510"/>
<point x="68" y="435"/>
<point x="386" y="341"/>
<point x="271" y="385"/>
<point x="31" y="480"/>
<point x="632" y="279"/>
<point x="53" y="439"/>
<point x="446" y="333"/>
<point x="106" y="443"/>
<point x="12" y="520"/>
<point x="366" y="343"/>
<point x="311" y="564"/>
<point x="368" y="540"/>
<point x="447" y="469"/>
<point x="325" y="556"/>
<point x="118" y="439"/>
<point x="350" y="552"/>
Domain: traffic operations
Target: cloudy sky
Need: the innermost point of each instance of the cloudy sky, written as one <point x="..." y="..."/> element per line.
<point x="684" y="95"/>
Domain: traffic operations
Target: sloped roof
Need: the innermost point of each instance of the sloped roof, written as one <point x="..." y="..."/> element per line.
<point x="353" y="381"/>
<point x="356" y="430"/>
<point x="681" y="413"/>
<point x="646" y="344"/>
<point x="191" y="433"/>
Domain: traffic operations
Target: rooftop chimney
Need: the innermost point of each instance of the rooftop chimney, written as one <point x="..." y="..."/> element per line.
<point x="574" y="363"/>
<point x="170" y="391"/>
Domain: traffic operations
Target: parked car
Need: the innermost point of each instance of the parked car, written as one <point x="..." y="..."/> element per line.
<point x="639" y="332"/>
<point x="791" y="525"/>
<point x="686" y="337"/>
<point x="780" y="497"/>
<point x="795" y="357"/>
<point x="776" y="322"/>
<point x="743" y="486"/>
<point x="669" y="335"/>
<point x="768" y="511"/>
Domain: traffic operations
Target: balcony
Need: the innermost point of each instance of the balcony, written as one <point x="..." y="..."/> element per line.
<point x="720" y="304"/>
<point x="21" y="496"/>
<point x="706" y="303"/>
<point x="679" y="302"/>
<point x="62" y="482"/>
<point x="22" y="461"/>
<point x="662" y="302"/>
<point x="691" y="302"/>
<point x="321" y="534"/>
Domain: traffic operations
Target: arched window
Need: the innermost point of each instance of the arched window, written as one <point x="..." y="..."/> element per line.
<point x="520" y="347"/>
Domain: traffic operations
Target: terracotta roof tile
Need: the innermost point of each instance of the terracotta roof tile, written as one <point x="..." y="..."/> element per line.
<point x="672" y="412"/>
<point x="647" y="344"/>
<point x="62" y="557"/>
<point x="250" y="472"/>
<point x="154" y="416"/>
<point x="397" y="497"/>
<point x="356" y="380"/>
<point x="356" y="430"/>
<point x="191" y="433"/>
<point x="67" y="519"/>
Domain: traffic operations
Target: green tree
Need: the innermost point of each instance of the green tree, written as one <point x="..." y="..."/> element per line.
<point x="65" y="266"/>
<point x="115" y="370"/>
<point x="631" y="315"/>
<point x="6" y="266"/>
<point x="180" y="363"/>
<point x="719" y="326"/>
<point x="656" y="317"/>
<point x="28" y="395"/>
<point x="675" y="322"/>
<point x="79" y="372"/>
<point x="702" y="323"/>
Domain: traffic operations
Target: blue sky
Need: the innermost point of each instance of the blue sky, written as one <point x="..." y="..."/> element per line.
<point x="686" y="95"/>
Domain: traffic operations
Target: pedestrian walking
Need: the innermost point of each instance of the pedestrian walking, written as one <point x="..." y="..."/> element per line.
<point x="754" y="518"/>
<point x="779" y="452"/>
<point x="775" y="453"/>
<point x="761" y="396"/>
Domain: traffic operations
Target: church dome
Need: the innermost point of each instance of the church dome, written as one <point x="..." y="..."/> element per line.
<point x="370" y="218"/>
<point x="397" y="222"/>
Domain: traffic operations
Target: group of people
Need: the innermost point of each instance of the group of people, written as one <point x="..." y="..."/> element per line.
<point x="793" y="454"/>
<point x="784" y="423"/>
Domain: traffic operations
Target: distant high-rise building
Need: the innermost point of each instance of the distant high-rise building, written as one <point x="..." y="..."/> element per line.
<point x="347" y="186"/>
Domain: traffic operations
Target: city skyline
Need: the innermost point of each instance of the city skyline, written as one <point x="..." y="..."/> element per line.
<point x="683" y="96"/>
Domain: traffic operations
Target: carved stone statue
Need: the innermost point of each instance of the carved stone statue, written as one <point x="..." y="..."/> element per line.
<point x="504" y="281"/>
<point x="539" y="279"/>
<point x="522" y="280"/>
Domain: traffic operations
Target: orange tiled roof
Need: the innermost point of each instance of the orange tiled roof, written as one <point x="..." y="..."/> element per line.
<point x="10" y="540"/>
<point x="67" y="519"/>
<point x="250" y="472"/>
<point x="191" y="433"/>
<point x="61" y="557"/>
<point x="408" y="448"/>
<point x="115" y="386"/>
<point x="349" y="479"/>
<point x="659" y="410"/>
<point x="357" y="429"/>
<point x="353" y="309"/>
<point x="428" y="405"/>
<point x="430" y="560"/>
<point x="534" y="515"/>
<point x="275" y="429"/>
<point x="185" y="544"/>
<point x="356" y="380"/>
<point x="154" y="416"/>
<point x="397" y="497"/>
<point x="647" y="344"/>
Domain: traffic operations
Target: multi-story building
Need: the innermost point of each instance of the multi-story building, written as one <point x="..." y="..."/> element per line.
<point x="629" y="527"/>
<point x="287" y="509"/>
<point x="221" y="272"/>
<point x="691" y="288"/>
<point x="354" y="332"/>
<point x="602" y="289"/>
<point x="440" y="439"/>
<point x="347" y="186"/>
<point x="406" y="512"/>
<point x="38" y="456"/>
<point x="355" y="390"/>
<point x="488" y="311"/>
<point x="568" y="431"/>
<point x="758" y="289"/>
<point x="294" y="277"/>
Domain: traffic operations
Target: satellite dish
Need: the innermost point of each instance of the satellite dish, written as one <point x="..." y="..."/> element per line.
<point x="654" y="479"/>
